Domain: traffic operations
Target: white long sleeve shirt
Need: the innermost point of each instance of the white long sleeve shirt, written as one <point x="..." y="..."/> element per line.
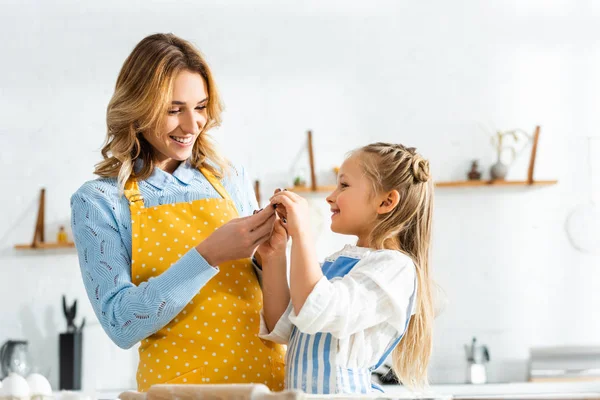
<point x="355" y="315"/>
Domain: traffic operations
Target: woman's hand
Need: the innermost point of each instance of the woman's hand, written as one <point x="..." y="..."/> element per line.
<point x="238" y="238"/>
<point x="294" y="212"/>
<point x="275" y="246"/>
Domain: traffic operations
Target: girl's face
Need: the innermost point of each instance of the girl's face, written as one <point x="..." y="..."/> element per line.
<point x="184" y="122"/>
<point x="353" y="206"/>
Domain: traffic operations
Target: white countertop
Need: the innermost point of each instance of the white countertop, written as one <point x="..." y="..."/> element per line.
<point x="506" y="390"/>
<point x="520" y="390"/>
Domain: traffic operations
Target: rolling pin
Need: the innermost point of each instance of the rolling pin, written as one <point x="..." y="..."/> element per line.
<point x="211" y="392"/>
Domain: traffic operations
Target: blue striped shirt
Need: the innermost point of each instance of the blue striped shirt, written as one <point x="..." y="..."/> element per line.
<point x="101" y="223"/>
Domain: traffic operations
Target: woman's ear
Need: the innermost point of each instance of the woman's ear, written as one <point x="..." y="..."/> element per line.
<point x="388" y="201"/>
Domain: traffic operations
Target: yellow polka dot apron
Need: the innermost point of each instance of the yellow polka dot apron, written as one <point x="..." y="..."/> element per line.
<point x="214" y="338"/>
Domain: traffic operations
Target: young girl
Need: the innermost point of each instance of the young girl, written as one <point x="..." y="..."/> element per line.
<point x="365" y="301"/>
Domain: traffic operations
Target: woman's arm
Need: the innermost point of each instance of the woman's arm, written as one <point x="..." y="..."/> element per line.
<point x="128" y="313"/>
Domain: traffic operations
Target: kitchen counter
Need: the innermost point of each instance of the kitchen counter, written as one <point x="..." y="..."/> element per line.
<point x="405" y="395"/>
<point x="517" y="390"/>
<point x="508" y="391"/>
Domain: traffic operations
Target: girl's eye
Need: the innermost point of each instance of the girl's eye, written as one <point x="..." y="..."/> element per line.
<point x="343" y="185"/>
<point x="174" y="111"/>
<point x="200" y="108"/>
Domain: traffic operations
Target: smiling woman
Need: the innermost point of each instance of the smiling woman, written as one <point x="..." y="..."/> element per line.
<point x="164" y="93"/>
<point x="186" y="118"/>
<point x="154" y="232"/>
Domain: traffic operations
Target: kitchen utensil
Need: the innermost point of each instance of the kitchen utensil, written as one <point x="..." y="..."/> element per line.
<point x="14" y="357"/>
<point x="477" y="356"/>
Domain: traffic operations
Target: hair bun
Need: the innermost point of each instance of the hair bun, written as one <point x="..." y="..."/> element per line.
<point x="420" y="169"/>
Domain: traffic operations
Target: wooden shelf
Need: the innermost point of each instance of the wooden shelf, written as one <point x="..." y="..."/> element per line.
<point x="45" y="245"/>
<point x="456" y="184"/>
<point x="39" y="242"/>
<point x="494" y="183"/>
<point x="308" y="189"/>
<point x="530" y="181"/>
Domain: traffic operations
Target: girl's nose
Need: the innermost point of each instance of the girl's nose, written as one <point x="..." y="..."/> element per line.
<point x="330" y="199"/>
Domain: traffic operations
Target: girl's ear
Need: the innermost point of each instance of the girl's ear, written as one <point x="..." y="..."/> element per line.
<point x="388" y="201"/>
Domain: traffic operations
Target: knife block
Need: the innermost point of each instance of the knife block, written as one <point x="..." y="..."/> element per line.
<point x="70" y="360"/>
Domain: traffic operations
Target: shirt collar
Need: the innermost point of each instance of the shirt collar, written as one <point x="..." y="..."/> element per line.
<point x="159" y="178"/>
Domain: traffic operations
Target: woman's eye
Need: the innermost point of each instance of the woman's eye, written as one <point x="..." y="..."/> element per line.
<point x="343" y="185"/>
<point x="174" y="111"/>
<point x="200" y="108"/>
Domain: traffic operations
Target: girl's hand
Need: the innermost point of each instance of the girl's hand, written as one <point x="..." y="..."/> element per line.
<point x="275" y="246"/>
<point x="281" y="210"/>
<point x="294" y="211"/>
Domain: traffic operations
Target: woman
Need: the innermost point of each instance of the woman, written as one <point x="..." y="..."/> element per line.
<point x="156" y="268"/>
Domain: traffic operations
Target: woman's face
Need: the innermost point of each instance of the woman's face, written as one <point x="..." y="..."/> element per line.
<point x="186" y="117"/>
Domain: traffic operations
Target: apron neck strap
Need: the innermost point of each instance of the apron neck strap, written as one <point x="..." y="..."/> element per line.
<point x="133" y="194"/>
<point x="215" y="182"/>
<point x="135" y="198"/>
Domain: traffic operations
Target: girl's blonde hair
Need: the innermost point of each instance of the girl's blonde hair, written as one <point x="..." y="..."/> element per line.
<point x="140" y="103"/>
<point x="408" y="229"/>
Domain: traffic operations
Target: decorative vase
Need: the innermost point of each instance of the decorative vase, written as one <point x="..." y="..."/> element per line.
<point x="499" y="171"/>
<point x="474" y="174"/>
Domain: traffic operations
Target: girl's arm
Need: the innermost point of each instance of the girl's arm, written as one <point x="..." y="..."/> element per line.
<point x="305" y="271"/>
<point x="276" y="295"/>
<point x="271" y="269"/>
<point x="274" y="319"/>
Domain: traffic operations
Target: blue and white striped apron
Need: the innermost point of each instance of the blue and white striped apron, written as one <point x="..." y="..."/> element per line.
<point x="311" y="359"/>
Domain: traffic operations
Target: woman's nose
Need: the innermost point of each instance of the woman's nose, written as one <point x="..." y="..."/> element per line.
<point x="191" y="122"/>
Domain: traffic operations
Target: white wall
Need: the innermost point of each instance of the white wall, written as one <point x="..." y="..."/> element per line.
<point x="423" y="73"/>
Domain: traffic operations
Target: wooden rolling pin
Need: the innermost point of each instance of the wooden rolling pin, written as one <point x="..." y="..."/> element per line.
<point x="211" y="392"/>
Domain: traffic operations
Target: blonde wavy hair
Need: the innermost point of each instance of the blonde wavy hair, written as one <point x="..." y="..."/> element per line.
<point x="408" y="229"/>
<point x="140" y="103"/>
